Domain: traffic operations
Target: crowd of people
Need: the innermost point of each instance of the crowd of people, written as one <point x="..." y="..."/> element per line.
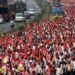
<point x="46" y="48"/>
<point x="68" y="1"/>
<point x="64" y="1"/>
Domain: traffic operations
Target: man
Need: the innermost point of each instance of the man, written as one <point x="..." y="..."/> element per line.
<point x="12" y="24"/>
<point x="59" y="70"/>
<point x="38" y="69"/>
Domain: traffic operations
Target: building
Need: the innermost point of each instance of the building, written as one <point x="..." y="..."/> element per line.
<point x="56" y="3"/>
<point x="3" y="3"/>
<point x="14" y="1"/>
<point x="11" y="1"/>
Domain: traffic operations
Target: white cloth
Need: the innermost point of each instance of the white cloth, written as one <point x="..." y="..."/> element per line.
<point x="59" y="71"/>
<point x="38" y="69"/>
<point x="73" y="64"/>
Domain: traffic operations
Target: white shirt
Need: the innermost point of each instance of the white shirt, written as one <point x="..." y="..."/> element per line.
<point x="59" y="71"/>
<point x="38" y="69"/>
<point x="73" y="64"/>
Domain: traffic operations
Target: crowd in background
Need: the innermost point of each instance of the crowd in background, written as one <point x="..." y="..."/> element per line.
<point x="63" y="1"/>
<point x="68" y="1"/>
<point x="40" y="49"/>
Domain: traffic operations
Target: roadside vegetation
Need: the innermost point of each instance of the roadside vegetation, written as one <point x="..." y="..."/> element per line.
<point x="45" y="9"/>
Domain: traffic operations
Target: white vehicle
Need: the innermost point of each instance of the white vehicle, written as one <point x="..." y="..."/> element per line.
<point x="12" y="24"/>
<point x="1" y="19"/>
<point x="19" y="17"/>
<point x="31" y="11"/>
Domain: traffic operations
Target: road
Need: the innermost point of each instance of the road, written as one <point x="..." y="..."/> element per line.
<point x="30" y="4"/>
<point x="5" y="27"/>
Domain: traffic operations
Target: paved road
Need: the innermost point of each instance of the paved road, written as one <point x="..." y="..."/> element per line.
<point x="5" y="27"/>
<point x="32" y="4"/>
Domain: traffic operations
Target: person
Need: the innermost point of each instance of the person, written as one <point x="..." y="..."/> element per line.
<point x="59" y="70"/>
<point x="38" y="69"/>
<point x="40" y="49"/>
<point x="12" y="23"/>
<point x="73" y="62"/>
<point x="69" y="68"/>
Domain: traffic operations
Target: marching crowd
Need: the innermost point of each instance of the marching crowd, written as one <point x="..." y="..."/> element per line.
<point x="40" y="49"/>
<point x="68" y="1"/>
